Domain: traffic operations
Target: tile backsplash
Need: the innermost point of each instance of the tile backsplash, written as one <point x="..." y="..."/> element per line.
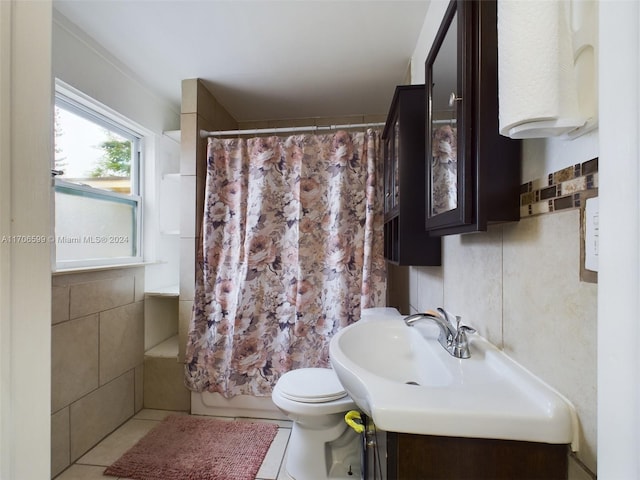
<point x="566" y="188"/>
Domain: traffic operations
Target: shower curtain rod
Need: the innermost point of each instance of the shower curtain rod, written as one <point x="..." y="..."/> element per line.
<point x="311" y="128"/>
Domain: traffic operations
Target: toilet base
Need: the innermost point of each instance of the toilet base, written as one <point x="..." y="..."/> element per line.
<point x="336" y="455"/>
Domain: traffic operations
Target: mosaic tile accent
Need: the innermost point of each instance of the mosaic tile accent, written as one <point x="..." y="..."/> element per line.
<point x="559" y="190"/>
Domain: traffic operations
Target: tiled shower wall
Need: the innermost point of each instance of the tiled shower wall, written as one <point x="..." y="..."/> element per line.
<point x="199" y="111"/>
<point x="97" y="355"/>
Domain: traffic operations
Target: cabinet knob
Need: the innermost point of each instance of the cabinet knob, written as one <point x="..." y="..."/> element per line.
<point x="453" y="99"/>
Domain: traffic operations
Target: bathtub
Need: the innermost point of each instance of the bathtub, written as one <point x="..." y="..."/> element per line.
<point x="207" y="403"/>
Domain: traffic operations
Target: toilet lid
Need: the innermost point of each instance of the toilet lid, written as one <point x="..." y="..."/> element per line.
<point x="311" y="385"/>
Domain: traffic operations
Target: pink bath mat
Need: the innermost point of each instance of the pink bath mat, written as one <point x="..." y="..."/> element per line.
<point x="184" y="447"/>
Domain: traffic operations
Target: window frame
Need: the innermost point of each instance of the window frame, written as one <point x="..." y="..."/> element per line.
<point x="71" y="100"/>
<point x="116" y="126"/>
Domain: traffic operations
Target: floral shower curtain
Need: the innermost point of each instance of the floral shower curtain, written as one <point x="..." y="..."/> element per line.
<point x="291" y="252"/>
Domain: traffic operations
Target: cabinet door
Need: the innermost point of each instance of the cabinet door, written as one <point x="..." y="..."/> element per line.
<point x="427" y="457"/>
<point x="448" y="114"/>
<point x="388" y="177"/>
<point x="396" y="155"/>
<point x="392" y="171"/>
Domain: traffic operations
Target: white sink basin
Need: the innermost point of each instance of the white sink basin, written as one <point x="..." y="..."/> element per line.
<point x="406" y="382"/>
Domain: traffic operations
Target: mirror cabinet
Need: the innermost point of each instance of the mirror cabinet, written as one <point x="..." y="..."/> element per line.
<point x="406" y="242"/>
<point x="472" y="173"/>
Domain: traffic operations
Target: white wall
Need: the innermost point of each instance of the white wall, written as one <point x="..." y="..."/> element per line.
<point x="619" y="277"/>
<point x="84" y="65"/>
<point x="25" y="271"/>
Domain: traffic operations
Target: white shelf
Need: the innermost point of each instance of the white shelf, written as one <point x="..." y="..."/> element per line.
<point x="170" y="291"/>
<point x="173" y="134"/>
<point x="167" y="349"/>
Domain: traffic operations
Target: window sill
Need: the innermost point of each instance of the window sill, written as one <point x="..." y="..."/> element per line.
<point x="64" y="271"/>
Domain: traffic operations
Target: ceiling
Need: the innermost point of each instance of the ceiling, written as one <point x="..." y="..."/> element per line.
<point x="263" y="59"/>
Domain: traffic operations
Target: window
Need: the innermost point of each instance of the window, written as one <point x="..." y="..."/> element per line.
<point x="98" y="206"/>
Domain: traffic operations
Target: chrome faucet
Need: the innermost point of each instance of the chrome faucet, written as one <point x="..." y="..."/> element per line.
<point x="452" y="338"/>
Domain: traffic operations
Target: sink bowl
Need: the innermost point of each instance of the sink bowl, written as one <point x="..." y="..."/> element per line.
<point x="407" y="382"/>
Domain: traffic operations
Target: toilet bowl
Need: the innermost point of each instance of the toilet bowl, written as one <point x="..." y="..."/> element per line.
<point x="322" y="446"/>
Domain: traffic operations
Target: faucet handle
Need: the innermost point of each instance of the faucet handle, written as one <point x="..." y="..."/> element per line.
<point x="461" y="342"/>
<point x="463" y="328"/>
<point x="461" y="347"/>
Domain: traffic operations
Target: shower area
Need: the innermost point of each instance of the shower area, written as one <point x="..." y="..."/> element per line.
<point x="214" y="393"/>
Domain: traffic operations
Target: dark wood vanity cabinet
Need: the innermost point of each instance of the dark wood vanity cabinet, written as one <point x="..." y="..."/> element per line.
<point x="405" y="240"/>
<point x="405" y="456"/>
<point x="425" y="457"/>
<point x="473" y="173"/>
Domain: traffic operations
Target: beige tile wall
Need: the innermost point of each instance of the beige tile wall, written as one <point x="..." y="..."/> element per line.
<point x="398" y="288"/>
<point x="97" y="355"/>
<point x="199" y="111"/>
<point x="550" y="316"/>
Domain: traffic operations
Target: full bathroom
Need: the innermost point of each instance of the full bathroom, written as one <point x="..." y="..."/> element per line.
<point x="119" y="336"/>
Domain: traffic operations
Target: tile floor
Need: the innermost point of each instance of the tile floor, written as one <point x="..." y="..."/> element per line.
<point x="92" y="464"/>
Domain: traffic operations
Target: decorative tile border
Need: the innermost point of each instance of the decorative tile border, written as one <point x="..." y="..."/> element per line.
<point x="559" y="190"/>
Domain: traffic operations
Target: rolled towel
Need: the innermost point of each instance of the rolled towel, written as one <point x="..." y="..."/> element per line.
<point x="538" y="94"/>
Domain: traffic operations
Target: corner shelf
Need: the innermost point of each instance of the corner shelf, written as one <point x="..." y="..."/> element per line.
<point x="169" y="291"/>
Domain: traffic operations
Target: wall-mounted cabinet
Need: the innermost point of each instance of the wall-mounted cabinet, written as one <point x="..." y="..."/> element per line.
<point x="472" y="172"/>
<point x="405" y="240"/>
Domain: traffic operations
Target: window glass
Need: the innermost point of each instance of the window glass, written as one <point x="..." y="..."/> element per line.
<point x="97" y="202"/>
<point x="91" y="226"/>
<point x="91" y="151"/>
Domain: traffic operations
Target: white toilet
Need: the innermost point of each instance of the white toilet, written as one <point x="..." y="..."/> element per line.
<point x="322" y="446"/>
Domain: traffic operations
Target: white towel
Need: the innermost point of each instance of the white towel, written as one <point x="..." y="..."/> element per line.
<point x="538" y="95"/>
